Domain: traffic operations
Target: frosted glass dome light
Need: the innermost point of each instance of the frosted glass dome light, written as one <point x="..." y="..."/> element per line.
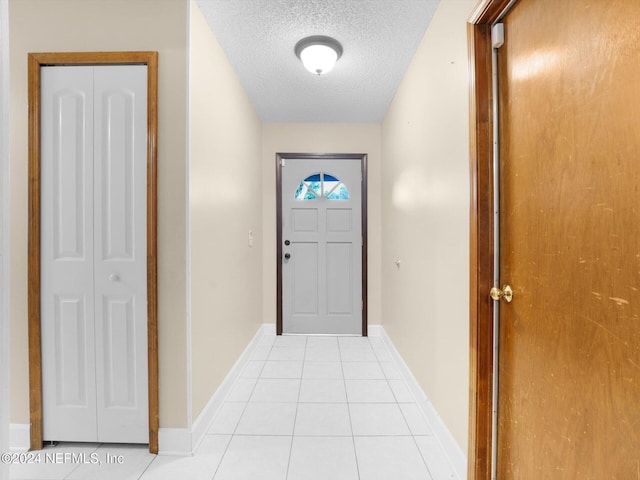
<point x="318" y="53"/>
<point x="318" y="58"/>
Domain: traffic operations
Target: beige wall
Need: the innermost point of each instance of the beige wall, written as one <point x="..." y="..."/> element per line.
<point x="425" y="210"/>
<point x="418" y="185"/>
<point x="320" y="138"/>
<point x="4" y="186"/>
<point x="101" y="25"/>
<point x="225" y="203"/>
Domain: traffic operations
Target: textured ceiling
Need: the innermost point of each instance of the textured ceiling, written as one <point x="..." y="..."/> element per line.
<point x="379" y="38"/>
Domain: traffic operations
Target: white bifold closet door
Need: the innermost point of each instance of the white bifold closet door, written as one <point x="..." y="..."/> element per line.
<point x="93" y="260"/>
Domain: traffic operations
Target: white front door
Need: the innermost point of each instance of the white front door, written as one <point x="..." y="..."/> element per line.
<point x="93" y="260"/>
<point x="322" y="246"/>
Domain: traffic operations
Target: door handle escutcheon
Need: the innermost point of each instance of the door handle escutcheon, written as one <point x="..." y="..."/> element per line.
<point x="506" y="293"/>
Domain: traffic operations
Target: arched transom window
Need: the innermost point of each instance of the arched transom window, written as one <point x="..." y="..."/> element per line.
<point x="322" y="185"/>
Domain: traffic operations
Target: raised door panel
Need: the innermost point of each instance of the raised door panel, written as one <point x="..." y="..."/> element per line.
<point x="304" y="283"/>
<point x="340" y="279"/>
<point x="68" y="163"/>
<point x="119" y="344"/>
<point x="339" y="220"/>
<point x="117" y="175"/>
<point x="304" y="220"/>
<point x="70" y="352"/>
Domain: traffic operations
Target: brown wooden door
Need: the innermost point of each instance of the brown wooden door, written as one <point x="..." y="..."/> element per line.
<point x="569" y="395"/>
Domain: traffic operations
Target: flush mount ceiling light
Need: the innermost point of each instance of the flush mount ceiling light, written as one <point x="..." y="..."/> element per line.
<point x="318" y="53"/>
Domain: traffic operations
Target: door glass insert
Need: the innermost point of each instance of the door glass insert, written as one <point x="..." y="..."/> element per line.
<point x="322" y="185"/>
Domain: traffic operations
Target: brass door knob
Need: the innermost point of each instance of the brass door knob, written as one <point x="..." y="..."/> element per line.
<point x="506" y="293"/>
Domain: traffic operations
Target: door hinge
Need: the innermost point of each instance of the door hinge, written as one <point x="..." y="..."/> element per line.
<point x="282" y="162"/>
<point x="497" y="35"/>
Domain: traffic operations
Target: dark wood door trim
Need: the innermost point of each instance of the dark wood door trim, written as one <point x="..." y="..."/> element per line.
<point x="481" y="238"/>
<point x="324" y="156"/>
<point x="37" y="60"/>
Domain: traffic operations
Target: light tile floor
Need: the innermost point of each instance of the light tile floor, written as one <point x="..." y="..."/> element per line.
<point x="304" y="408"/>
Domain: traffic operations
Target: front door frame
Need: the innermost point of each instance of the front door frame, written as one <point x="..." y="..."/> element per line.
<point x="37" y="60"/>
<point x="481" y="237"/>
<point x="280" y="157"/>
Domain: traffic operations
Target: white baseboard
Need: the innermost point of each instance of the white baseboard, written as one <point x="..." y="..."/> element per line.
<point x="175" y="441"/>
<point x="375" y="330"/>
<point x="183" y="441"/>
<point x="202" y="423"/>
<point x="172" y="441"/>
<point x="268" y="329"/>
<point x="452" y="450"/>
<point x="19" y="437"/>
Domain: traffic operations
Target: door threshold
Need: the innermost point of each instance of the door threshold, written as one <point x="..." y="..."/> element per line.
<point x="320" y="335"/>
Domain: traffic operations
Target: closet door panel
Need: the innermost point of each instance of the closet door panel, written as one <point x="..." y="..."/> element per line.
<point x="67" y="256"/>
<point x="120" y="156"/>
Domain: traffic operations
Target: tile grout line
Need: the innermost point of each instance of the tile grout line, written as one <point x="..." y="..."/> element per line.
<point x="413" y="437"/>
<point x="246" y="404"/>
<point x="295" y="416"/>
<point x="155" y="457"/>
<point x="353" y="437"/>
<point x="98" y="445"/>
